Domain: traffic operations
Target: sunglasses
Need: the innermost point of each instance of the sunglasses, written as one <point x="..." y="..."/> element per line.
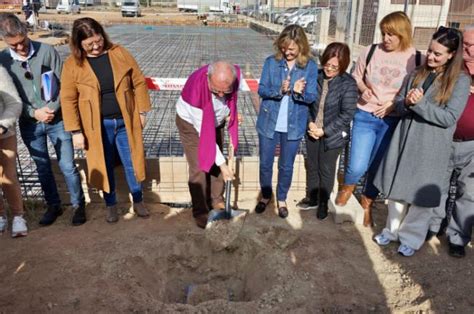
<point x="451" y="33"/>
<point x="26" y="66"/>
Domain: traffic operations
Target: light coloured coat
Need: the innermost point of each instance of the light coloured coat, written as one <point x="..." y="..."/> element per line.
<point x="415" y="166"/>
<point x="10" y="103"/>
<point x="81" y="108"/>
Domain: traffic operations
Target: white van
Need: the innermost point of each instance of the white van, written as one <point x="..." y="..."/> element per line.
<point x="131" y="8"/>
<point x="68" y="6"/>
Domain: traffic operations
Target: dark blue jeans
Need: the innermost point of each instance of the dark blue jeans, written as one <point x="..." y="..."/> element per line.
<point x="114" y="139"/>
<point x="288" y="150"/>
<point x="370" y="139"/>
<point x="35" y="137"/>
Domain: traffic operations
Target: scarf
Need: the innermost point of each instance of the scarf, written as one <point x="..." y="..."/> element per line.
<point x="197" y="94"/>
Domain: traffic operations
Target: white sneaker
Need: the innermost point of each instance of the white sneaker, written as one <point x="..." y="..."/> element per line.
<point x="3" y="224"/>
<point x="381" y="239"/>
<point x="19" y="228"/>
<point x="405" y="250"/>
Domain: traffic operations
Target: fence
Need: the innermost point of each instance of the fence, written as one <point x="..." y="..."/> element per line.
<point x="175" y="51"/>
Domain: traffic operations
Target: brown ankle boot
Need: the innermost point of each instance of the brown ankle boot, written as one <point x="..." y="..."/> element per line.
<point x="366" y="203"/>
<point x="344" y="194"/>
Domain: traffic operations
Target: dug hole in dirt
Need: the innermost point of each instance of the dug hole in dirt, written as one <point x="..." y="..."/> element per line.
<point x="165" y="264"/>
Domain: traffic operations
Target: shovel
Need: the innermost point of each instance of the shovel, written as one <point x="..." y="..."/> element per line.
<point x="224" y="226"/>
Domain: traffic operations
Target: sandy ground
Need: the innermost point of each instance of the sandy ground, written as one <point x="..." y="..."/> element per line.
<point x="149" y="16"/>
<point x="165" y="264"/>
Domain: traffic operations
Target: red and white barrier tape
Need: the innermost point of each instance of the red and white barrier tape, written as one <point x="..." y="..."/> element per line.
<point x="156" y="83"/>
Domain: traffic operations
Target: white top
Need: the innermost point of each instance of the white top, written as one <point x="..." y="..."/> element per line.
<point x="193" y="116"/>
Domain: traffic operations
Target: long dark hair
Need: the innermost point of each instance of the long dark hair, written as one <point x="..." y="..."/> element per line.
<point x="452" y="39"/>
<point x="84" y="28"/>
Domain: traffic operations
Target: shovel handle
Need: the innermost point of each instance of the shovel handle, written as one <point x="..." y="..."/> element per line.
<point x="228" y="209"/>
<point x="230" y="157"/>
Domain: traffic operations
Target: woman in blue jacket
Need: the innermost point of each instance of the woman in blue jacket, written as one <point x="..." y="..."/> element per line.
<point x="288" y="85"/>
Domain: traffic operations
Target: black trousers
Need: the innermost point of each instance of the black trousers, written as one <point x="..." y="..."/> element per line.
<point x="320" y="170"/>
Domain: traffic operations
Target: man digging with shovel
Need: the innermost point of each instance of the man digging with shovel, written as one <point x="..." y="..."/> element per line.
<point x="207" y="102"/>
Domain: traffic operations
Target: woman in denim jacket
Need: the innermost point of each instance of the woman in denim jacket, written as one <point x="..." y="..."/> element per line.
<point x="288" y="85"/>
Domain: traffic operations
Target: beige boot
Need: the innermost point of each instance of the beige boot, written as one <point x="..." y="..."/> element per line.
<point x="366" y="203"/>
<point x="344" y="194"/>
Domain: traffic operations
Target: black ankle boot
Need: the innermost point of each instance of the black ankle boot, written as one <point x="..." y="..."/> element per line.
<point x="322" y="211"/>
<point x="79" y="215"/>
<point x="52" y="213"/>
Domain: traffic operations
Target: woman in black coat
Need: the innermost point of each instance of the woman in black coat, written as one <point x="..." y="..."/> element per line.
<point x="329" y="126"/>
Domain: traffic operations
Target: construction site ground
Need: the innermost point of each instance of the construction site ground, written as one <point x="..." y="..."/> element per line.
<point x="165" y="264"/>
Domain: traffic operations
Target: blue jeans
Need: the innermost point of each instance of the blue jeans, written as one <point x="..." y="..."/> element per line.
<point x="35" y="136"/>
<point x="288" y="150"/>
<point x="370" y="139"/>
<point x="114" y="139"/>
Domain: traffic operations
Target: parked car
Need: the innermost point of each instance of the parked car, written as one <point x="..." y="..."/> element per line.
<point x="280" y="18"/>
<point x="68" y="7"/>
<point x="131" y="8"/>
<point x="248" y="10"/>
<point x="295" y="17"/>
<point x="307" y="20"/>
<point x="292" y="17"/>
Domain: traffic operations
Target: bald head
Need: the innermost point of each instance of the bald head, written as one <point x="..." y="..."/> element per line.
<point x="221" y="78"/>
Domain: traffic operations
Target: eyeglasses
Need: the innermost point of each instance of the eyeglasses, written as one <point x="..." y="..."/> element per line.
<point x="217" y="92"/>
<point x="90" y="45"/>
<point x="26" y="66"/>
<point x="331" y="67"/>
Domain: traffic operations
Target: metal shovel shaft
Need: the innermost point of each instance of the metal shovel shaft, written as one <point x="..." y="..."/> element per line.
<point x="228" y="208"/>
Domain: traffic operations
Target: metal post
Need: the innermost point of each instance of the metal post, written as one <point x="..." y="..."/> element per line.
<point x="352" y="23"/>
<point x="405" y="7"/>
<point x="270" y="11"/>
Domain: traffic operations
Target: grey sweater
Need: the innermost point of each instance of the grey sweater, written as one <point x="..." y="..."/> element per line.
<point x="44" y="59"/>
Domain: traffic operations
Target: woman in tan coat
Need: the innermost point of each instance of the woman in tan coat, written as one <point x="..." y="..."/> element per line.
<point x="104" y="100"/>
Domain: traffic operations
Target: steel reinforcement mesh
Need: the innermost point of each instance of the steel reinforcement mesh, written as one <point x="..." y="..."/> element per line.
<point x="175" y="52"/>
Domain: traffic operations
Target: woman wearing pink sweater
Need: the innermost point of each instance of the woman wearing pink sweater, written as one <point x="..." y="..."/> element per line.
<point x="373" y="124"/>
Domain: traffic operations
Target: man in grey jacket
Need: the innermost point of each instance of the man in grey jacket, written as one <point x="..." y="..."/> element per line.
<point x="29" y="62"/>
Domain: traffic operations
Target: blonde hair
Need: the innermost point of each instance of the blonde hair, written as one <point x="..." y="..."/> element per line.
<point x="293" y="33"/>
<point x="398" y="24"/>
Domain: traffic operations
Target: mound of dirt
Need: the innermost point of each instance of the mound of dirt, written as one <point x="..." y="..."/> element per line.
<point x="165" y="264"/>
